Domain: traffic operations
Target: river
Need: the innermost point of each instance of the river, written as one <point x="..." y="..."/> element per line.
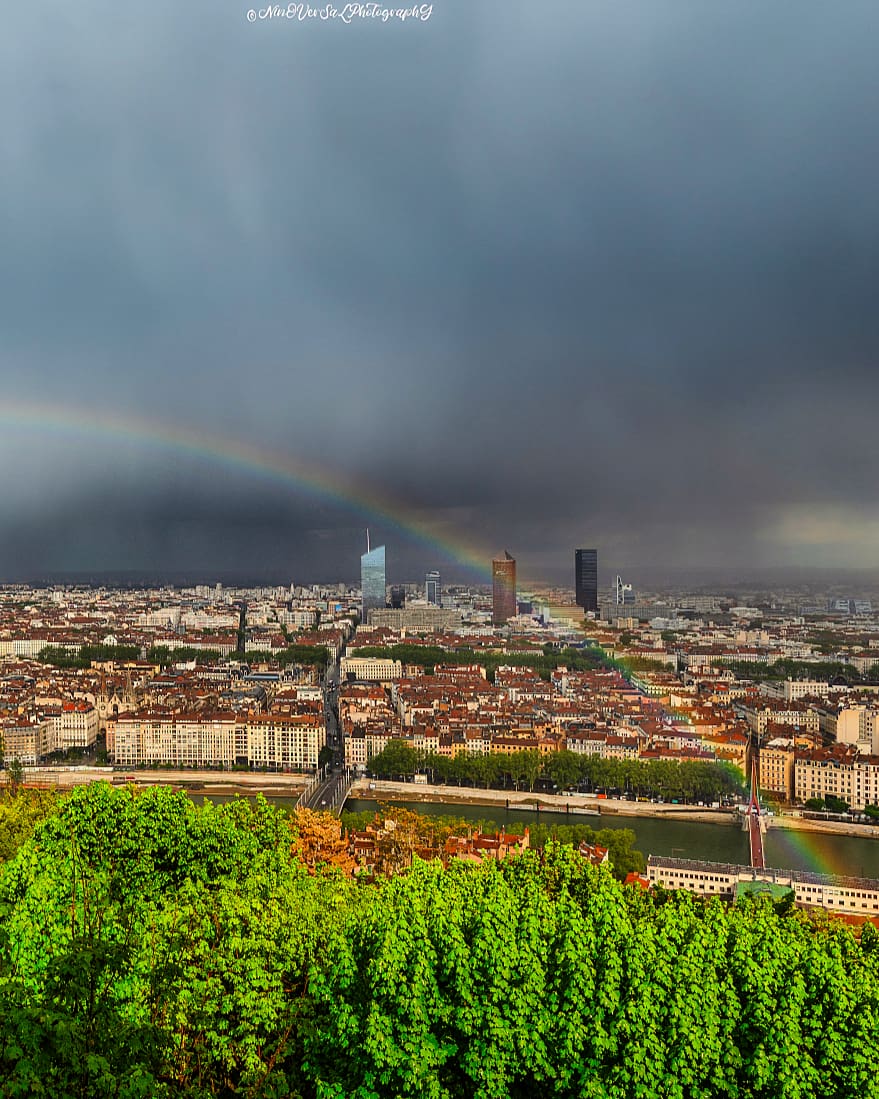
<point x="785" y="849"/>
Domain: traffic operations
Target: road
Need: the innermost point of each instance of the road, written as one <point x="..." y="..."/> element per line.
<point x="331" y="714"/>
<point x="325" y="795"/>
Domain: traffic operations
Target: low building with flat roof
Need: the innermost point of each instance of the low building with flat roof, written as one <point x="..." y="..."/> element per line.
<point x="853" y="896"/>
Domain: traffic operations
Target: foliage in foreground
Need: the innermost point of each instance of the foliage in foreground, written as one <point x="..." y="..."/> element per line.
<point x="20" y="813"/>
<point x="152" y="948"/>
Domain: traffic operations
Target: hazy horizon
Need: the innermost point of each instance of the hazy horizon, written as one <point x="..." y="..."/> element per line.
<point x="854" y="582"/>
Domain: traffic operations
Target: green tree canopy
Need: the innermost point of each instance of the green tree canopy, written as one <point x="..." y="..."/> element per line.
<point x="152" y="948"/>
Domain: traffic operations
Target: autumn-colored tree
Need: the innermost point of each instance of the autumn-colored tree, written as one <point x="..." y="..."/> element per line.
<point x="320" y="840"/>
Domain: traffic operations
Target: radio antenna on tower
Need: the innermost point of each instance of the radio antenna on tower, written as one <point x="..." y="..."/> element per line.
<point x="367" y="539"/>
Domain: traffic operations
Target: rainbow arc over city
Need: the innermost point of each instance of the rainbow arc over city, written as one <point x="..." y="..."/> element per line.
<point x="294" y="474"/>
<point x="283" y="469"/>
<point x="807" y="849"/>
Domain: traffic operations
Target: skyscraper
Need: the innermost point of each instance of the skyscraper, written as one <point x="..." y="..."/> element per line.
<point x="624" y="593"/>
<point x="586" y="578"/>
<point x="372" y="580"/>
<point x="503" y="585"/>
<point x="433" y="589"/>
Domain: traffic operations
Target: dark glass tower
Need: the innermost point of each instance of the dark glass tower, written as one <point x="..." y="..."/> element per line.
<point x="586" y="578"/>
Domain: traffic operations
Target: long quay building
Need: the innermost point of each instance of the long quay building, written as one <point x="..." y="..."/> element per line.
<point x="219" y="739"/>
<point x="855" y="896"/>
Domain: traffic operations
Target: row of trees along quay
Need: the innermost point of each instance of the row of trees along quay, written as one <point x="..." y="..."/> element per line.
<point x="164" y="656"/>
<point x="83" y="657"/>
<point x="687" y="781"/>
<point x="543" y="662"/>
<point x="293" y="654"/>
<point x="787" y="668"/>
<point x="197" y="953"/>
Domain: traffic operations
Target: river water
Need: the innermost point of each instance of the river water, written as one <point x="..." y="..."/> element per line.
<point x="785" y="848"/>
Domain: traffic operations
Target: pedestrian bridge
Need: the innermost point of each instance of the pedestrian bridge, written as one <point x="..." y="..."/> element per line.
<point x="754" y="822"/>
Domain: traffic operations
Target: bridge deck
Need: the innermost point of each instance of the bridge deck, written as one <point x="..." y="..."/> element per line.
<point x="755" y="835"/>
<point x="755" y="815"/>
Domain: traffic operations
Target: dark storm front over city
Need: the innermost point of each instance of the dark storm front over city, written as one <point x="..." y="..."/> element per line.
<point x="544" y="275"/>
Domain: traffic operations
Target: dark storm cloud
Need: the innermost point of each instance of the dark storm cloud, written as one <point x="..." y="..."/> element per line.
<point x="559" y="272"/>
<point x="235" y="532"/>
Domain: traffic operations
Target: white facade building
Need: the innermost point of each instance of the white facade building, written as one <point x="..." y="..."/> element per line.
<point x="370" y="668"/>
<point x="257" y="740"/>
<point x="74" y="726"/>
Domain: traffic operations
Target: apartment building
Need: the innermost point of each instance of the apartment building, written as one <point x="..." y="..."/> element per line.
<point x="839" y="771"/>
<point x="777" y="768"/>
<point x="859" y="725"/>
<point x="370" y="668"/>
<point x="794" y="714"/>
<point x="27" y="739"/>
<point x="219" y="740"/>
<point x="855" y="896"/>
<point x="795" y="689"/>
<point x="74" y="725"/>
<point x="284" y="740"/>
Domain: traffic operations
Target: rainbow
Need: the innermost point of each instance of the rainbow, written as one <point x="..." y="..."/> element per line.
<point x="291" y="473"/>
<point x="802" y="850"/>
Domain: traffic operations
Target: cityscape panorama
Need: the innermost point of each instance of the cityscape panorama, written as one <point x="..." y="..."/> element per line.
<point x="439" y="550"/>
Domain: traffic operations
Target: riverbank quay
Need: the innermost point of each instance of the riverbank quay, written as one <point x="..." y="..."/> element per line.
<point x="251" y="783"/>
<point x="828" y="827"/>
<point x="248" y="783"/>
<point x="578" y="805"/>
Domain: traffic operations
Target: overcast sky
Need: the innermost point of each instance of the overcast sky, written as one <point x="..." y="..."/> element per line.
<point x="544" y="274"/>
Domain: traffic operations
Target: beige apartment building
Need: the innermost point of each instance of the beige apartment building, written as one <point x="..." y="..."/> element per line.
<point x="370" y="668"/>
<point x="838" y="771"/>
<point x="27" y="739"/>
<point x="222" y="739"/>
<point x="777" y="768"/>
<point x="856" y="896"/>
<point x="74" y="725"/>
<point x="794" y="714"/>
<point x="859" y="726"/>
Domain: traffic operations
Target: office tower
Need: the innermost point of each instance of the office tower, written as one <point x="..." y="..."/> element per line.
<point x="433" y="589"/>
<point x="398" y="596"/>
<point x="625" y="593"/>
<point x="372" y="580"/>
<point x="503" y="589"/>
<point x="586" y="578"/>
